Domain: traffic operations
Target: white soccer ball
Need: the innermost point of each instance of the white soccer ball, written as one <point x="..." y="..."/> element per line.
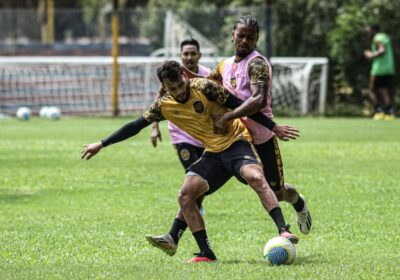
<point x="43" y="111"/>
<point x="279" y="250"/>
<point x="53" y="113"/>
<point x="23" y="113"/>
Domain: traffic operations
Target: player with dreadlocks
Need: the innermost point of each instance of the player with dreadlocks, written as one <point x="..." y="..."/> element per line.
<point x="248" y="76"/>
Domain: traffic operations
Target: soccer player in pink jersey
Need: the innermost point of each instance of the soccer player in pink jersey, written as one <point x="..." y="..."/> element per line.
<point x="248" y="75"/>
<point x="188" y="149"/>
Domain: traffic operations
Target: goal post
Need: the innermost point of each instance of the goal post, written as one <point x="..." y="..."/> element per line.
<point x="309" y="76"/>
<point x="83" y="85"/>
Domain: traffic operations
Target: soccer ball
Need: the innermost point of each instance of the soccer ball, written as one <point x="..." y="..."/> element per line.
<point x="23" y="113"/>
<point x="43" y="111"/>
<point x="53" y="113"/>
<point x="279" y="250"/>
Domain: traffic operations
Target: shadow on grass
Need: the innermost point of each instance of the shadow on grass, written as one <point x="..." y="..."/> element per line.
<point x="304" y="260"/>
<point x="17" y="195"/>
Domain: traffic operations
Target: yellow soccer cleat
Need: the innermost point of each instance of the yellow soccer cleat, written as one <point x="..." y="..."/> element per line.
<point x="378" y="116"/>
<point x="389" y="117"/>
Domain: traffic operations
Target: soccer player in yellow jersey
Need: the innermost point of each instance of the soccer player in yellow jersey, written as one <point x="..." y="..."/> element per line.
<point x="194" y="105"/>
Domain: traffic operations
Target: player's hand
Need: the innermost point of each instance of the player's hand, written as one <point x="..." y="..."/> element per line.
<point x="90" y="150"/>
<point x="155" y="134"/>
<point x="286" y="132"/>
<point x="368" y="54"/>
<point x="221" y="124"/>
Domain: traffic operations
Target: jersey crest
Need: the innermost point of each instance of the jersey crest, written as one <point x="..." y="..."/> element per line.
<point x="198" y="106"/>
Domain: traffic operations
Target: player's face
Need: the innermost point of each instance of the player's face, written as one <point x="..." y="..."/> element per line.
<point x="190" y="56"/>
<point x="178" y="89"/>
<point x="244" y="39"/>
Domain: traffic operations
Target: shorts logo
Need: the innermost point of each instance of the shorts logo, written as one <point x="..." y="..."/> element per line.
<point x="185" y="154"/>
<point x="198" y="106"/>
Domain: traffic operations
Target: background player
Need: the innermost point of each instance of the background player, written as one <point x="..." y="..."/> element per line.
<point x="187" y="148"/>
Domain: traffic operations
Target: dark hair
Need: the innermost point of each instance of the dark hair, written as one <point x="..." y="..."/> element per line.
<point x="375" y="27"/>
<point x="170" y="70"/>
<point x="190" y="41"/>
<point x="247" y="20"/>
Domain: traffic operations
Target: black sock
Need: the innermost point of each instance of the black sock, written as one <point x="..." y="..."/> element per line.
<point x="177" y="229"/>
<point x="204" y="244"/>
<point x="389" y="110"/>
<point x="277" y="216"/>
<point x="299" y="205"/>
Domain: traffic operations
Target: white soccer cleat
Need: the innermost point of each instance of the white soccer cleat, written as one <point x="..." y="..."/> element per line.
<point x="304" y="220"/>
<point x="163" y="242"/>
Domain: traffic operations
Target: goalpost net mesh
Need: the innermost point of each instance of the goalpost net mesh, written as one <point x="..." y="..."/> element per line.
<point x="83" y="85"/>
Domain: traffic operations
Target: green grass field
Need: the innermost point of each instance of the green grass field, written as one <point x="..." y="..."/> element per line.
<point x="65" y="218"/>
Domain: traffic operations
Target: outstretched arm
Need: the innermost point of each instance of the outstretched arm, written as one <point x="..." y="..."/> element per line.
<point x="125" y="132"/>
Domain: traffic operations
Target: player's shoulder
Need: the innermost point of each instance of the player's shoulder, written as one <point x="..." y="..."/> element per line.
<point x="258" y="60"/>
<point x="200" y="83"/>
<point x="381" y="37"/>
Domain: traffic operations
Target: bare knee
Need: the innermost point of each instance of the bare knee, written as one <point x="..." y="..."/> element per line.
<point x="257" y="181"/>
<point x="192" y="191"/>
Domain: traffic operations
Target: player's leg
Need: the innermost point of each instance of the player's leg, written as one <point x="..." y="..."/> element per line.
<point x="271" y="159"/>
<point x="242" y="160"/>
<point x="208" y="174"/>
<point x="208" y="168"/>
<point x="375" y="98"/>
<point x="189" y="154"/>
<point x="385" y="85"/>
<point x="194" y="187"/>
<point x="168" y="242"/>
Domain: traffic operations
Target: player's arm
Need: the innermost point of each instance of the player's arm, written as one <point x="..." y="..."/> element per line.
<point x="283" y="132"/>
<point x="155" y="128"/>
<point x="380" y="50"/>
<point x="259" y="83"/>
<point x="125" y="132"/>
<point x="217" y="93"/>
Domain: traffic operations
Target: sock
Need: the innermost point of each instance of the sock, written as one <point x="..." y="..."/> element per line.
<point x="177" y="229"/>
<point x="389" y="110"/>
<point x="204" y="244"/>
<point x="277" y="216"/>
<point x="299" y="205"/>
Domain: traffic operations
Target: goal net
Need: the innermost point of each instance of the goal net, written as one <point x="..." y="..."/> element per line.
<point x="83" y="85"/>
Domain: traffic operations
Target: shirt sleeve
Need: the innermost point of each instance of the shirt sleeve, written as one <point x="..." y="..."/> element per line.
<point x="258" y="71"/>
<point x="154" y="114"/>
<point x="212" y="90"/>
<point x="215" y="74"/>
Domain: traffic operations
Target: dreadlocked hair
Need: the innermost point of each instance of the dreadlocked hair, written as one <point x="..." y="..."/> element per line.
<point x="247" y="20"/>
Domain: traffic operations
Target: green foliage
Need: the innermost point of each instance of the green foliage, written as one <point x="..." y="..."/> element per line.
<point x="64" y="218"/>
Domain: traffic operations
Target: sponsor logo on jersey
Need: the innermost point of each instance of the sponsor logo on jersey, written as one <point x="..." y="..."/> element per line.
<point x="198" y="106"/>
<point x="185" y="154"/>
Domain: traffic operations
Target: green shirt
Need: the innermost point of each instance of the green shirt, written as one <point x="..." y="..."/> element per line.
<point x="383" y="64"/>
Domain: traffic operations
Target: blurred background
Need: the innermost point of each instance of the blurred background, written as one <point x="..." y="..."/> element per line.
<point x="83" y="28"/>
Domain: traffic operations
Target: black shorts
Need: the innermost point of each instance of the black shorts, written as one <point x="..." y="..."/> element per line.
<point x="384" y="81"/>
<point x="218" y="168"/>
<point x="270" y="156"/>
<point x="188" y="154"/>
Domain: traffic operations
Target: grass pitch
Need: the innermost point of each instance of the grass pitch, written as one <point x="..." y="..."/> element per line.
<point x="65" y="218"/>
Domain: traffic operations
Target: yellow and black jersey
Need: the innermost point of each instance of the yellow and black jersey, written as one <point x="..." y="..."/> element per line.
<point x="197" y="115"/>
